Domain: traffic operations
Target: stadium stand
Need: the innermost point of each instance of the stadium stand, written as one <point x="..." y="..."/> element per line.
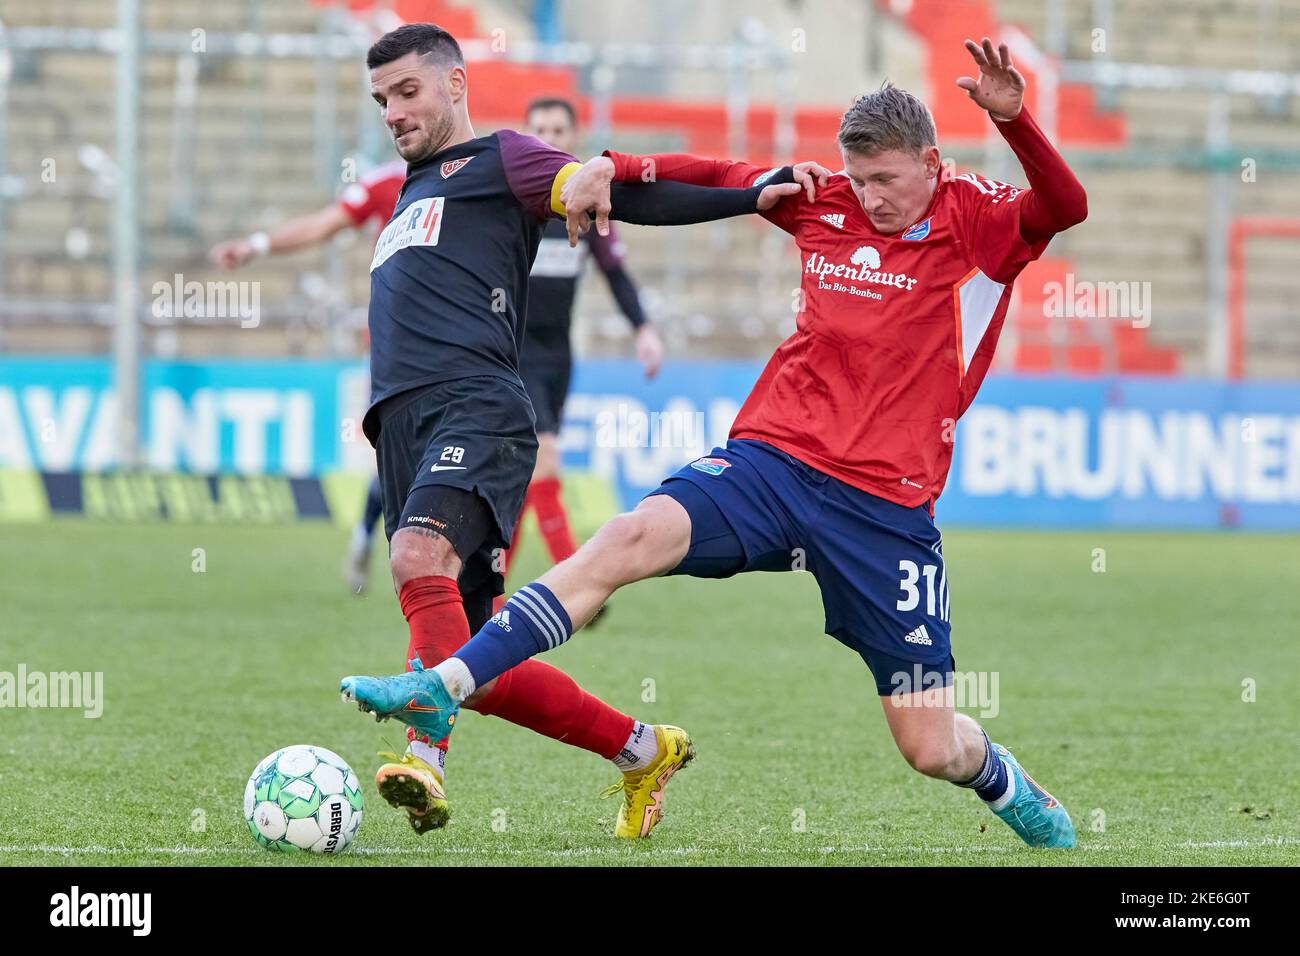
<point x="260" y="149"/>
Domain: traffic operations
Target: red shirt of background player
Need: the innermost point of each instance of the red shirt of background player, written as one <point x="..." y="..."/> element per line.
<point x="374" y="196"/>
<point x="894" y="333"/>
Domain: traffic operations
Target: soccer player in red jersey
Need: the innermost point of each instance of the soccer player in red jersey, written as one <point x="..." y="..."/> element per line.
<point x="836" y="458"/>
<point x="370" y="200"/>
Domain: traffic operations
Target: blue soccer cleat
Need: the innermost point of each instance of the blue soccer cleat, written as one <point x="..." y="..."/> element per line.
<point x="416" y="698"/>
<point x="1031" y="811"/>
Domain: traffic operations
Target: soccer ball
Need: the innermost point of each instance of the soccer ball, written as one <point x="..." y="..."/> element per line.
<point x="303" y="798"/>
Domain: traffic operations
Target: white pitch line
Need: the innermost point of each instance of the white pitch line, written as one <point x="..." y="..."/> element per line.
<point x="628" y="853"/>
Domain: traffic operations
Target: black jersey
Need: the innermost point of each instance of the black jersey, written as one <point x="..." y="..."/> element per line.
<point x="449" y="279"/>
<point x="553" y="284"/>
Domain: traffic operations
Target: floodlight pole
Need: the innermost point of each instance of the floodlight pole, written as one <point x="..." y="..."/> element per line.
<point x="126" y="236"/>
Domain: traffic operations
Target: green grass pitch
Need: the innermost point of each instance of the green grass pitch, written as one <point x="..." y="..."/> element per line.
<point x="1121" y="691"/>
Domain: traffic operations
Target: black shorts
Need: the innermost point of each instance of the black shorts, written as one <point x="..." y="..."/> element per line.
<point x="475" y="434"/>
<point x="546" y="374"/>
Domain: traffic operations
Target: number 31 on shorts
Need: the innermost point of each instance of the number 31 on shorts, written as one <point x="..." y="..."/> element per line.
<point x="936" y="599"/>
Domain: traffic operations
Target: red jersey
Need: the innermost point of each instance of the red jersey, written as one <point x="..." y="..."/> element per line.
<point x="375" y="194"/>
<point x="896" y="331"/>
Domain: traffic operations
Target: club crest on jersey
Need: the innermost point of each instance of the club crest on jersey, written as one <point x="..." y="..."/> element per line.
<point x="451" y="165"/>
<point x="711" y="466"/>
<point x="917" y="232"/>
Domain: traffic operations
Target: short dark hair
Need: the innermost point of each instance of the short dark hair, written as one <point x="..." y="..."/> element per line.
<point x="553" y="103"/>
<point x="418" y="38"/>
<point x="886" y="119"/>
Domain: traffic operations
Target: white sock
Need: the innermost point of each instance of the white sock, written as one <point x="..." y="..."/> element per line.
<point x="360" y="539"/>
<point x="1003" y="800"/>
<point x="435" y="757"/>
<point x="456" y="678"/>
<point x="642" y="747"/>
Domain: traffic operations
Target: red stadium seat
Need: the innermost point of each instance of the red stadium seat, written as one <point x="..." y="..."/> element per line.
<point x="1033" y="358"/>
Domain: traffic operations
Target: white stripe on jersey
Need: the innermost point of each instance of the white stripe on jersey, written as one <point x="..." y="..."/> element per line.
<point x="978" y="297"/>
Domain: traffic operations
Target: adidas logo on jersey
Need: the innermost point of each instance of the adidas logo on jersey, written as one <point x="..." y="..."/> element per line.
<point x="919" y="636"/>
<point x="836" y="219"/>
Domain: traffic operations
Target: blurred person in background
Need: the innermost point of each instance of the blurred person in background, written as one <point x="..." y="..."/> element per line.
<point x="369" y="201"/>
<point x="546" y="361"/>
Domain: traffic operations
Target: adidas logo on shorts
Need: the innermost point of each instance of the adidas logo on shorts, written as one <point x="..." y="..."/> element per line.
<point x="919" y="636"/>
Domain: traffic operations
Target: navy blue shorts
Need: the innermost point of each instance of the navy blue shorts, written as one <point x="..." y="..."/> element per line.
<point x="879" y="565"/>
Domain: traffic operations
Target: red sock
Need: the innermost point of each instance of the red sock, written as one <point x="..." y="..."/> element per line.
<point x="533" y="694"/>
<point x="436" y="616"/>
<point x="545" y="699"/>
<point x="552" y="519"/>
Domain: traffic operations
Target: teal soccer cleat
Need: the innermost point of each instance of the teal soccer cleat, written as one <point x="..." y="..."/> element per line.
<point x="416" y="698"/>
<point x="1031" y="811"/>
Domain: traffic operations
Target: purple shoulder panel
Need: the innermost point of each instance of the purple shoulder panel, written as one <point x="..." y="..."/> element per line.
<point x="530" y="167"/>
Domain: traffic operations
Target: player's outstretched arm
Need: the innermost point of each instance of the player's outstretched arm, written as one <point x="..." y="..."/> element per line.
<point x="679" y="204"/>
<point x="299" y="233"/>
<point x="703" y="171"/>
<point x="1056" y="199"/>
<point x="587" y="192"/>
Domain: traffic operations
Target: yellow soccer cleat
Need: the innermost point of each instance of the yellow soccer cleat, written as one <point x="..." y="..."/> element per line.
<point x="643" y="790"/>
<point x="410" y="784"/>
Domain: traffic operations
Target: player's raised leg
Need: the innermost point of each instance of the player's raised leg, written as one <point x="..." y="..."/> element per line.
<point x="687" y="526"/>
<point x="630" y="547"/>
<point x="454" y="460"/>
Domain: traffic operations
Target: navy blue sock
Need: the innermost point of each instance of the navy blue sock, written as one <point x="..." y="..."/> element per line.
<point x="991" y="780"/>
<point x="374" y="507"/>
<point x="532" y="621"/>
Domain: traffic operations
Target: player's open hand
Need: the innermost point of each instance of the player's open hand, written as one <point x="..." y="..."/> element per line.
<point x="1000" y="88"/>
<point x="587" y="191"/>
<point x="232" y="253"/>
<point x="649" y="350"/>
<point x="771" y="195"/>
<point x="810" y="175"/>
